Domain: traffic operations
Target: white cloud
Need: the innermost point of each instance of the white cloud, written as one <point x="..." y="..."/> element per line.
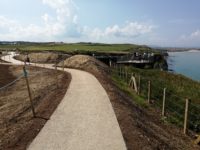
<point x="192" y="36"/>
<point x="129" y="30"/>
<point x="195" y="34"/>
<point x="64" y="26"/>
<point x="52" y="26"/>
<point x="190" y="40"/>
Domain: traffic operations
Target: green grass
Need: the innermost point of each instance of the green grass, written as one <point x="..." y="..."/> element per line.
<point x="176" y="85"/>
<point x="122" y="85"/>
<point x="78" y="47"/>
<point x="178" y="89"/>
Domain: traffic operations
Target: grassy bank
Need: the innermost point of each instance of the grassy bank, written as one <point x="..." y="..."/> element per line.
<point x="178" y="89"/>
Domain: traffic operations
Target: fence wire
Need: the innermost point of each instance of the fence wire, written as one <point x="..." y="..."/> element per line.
<point x="11" y="83"/>
<point x="174" y="105"/>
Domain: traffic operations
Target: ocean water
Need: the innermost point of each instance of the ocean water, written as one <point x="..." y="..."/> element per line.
<point x="186" y="63"/>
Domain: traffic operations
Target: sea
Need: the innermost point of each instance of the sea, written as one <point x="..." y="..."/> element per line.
<point x="186" y="63"/>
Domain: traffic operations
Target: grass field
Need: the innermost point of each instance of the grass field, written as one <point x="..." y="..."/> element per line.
<point x="78" y="47"/>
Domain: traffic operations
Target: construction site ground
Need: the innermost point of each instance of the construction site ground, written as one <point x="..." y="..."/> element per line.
<point x="17" y="125"/>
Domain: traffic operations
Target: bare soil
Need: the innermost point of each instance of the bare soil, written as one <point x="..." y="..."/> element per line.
<point x="17" y="125"/>
<point x="142" y="128"/>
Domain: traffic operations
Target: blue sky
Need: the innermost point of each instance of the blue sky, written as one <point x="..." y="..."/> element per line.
<point x="150" y="22"/>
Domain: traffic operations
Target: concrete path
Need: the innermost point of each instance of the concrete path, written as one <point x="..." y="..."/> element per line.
<point x="84" y="120"/>
<point x="9" y="58"/>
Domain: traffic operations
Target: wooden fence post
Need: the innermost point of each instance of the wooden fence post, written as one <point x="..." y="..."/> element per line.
<point x="29" y="91"/>
<point x="139" y="82"/>
<point x="164" y="99"/>
<point x="149" y="91"/>
<point x="130" y="82"/>
<point x="120" y="71"/>
<point x="186" y="115"/>
<point x="110" y="63"/>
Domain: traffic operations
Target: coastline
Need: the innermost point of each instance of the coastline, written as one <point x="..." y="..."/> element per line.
<point x="185" y="63"/>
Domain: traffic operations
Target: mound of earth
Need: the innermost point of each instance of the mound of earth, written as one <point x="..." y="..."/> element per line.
<point x="42" y="57"/>
<point x="85" y="62"/>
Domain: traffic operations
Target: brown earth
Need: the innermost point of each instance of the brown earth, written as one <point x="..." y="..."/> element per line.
<point x="17" y="125"/>
<point x="85" y="62"/>
<point x="42" y="57"/>
<point x="142" y="128"/>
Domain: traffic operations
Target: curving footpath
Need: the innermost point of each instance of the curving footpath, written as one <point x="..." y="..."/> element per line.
<point x="84" y="120"/>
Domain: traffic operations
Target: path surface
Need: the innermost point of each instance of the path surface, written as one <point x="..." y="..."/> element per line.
<point x="84" y="120"/>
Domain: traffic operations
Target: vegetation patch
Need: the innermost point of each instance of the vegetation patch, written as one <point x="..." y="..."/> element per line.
<point x="178" y="89"/>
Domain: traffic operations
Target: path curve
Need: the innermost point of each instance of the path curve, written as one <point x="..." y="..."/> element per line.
<point x="84" y="120"/>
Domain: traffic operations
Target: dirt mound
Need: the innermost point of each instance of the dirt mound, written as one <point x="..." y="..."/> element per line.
<point x="85" y="62"/>
<point x="42" y="57"/>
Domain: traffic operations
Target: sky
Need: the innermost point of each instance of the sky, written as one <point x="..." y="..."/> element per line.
<point x="171" y="23"/>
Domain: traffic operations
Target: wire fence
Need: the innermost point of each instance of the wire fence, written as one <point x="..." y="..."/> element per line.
<point x="171" y="105"/>
<point x="27" y="89"/>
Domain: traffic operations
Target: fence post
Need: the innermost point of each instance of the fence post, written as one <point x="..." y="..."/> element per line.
<point x="164" y="99"/>
<point x="126" y="76"/>
<point x="110" y="63"/>
<point x="139" y="82"/>
<point x="149" y="91"/>
<point x="130" y="81"/>
<point x="120" y="72"/>
<point x="186" y="115"/>
<point x="29" y="91"/>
